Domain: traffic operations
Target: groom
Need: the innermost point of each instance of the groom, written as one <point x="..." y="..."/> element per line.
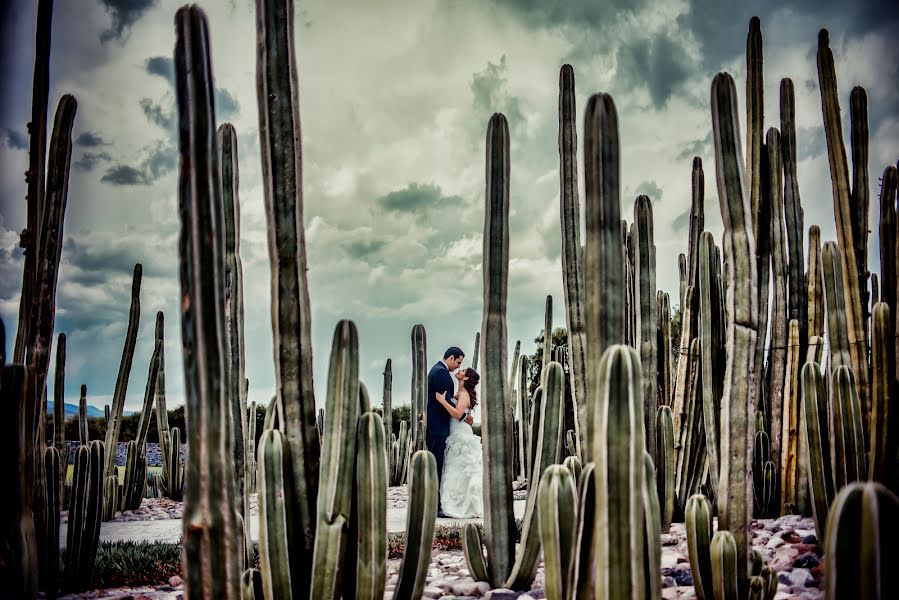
<point x="441" y="382"/>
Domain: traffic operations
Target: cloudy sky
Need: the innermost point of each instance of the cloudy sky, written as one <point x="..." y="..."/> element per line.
<point x="395" y="98"/>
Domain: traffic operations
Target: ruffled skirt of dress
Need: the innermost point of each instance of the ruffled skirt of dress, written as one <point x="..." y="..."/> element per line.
<point x="461" y="493"/>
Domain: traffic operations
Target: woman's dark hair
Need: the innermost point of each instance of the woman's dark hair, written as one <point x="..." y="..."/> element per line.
<point x="469" y="384"/>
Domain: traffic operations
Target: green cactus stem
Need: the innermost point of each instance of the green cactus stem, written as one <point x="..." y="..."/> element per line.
<point x="419" y="387"/>
<point x="711" y="353"/>
<point x="862" y="526"/>
<point x="734" y="489"/>
<point x="547" y="444"/>
<point x="663" y="348"/>
<point x="848" y="447"/>
<point x="420" y="518"/>
<point x="572" y="269"/>
<point x="338" y="462"/>
<point x="83" y="529"/>
<point x="665" y="472"/>
<point x="114" y="421"/>
<point x="815" y="284"/>
<point x="557" y="502"/>
<point x="882" y="444"/>
<point x="277" y="567"/>
<point x="846" y="221"/>
<point x="652" y="545"/>
<point x="820" y="478"/>
<point x="371" y="497"/>
<point x="59" y="384"/>
<point x="698" y="520"/>
<point x="34" y="177"/>
<point x="790" y="431"/>
<point x="496" y="424"/>
<point x="792" y="209"/>
<point x="387" y="408"/>
<point x="644" y="305"/>
<point x="83" y="435"/>
<point x="212" y="556"/>
<point x="618" y="446"/>
<point x="282" y="164"/>
<point x="226" y="137"/>
<point x="604" y="288"/>
<point x="474" y="553"/>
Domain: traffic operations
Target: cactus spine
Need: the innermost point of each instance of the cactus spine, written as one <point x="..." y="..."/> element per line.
<point x="280" y="143"/>
<point x="499" y="522"/>
<point x="572" y="269"/>
<point x="863" y="522"/>
<point x="734" y="490"/>
<point x="211" y="551"/>
<point x="618" y="443"/>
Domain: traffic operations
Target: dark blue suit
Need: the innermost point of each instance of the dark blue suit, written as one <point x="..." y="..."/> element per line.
<point x="439" y="381"/>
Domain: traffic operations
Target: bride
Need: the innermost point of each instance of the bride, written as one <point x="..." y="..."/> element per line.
<point x="461" y="492"/>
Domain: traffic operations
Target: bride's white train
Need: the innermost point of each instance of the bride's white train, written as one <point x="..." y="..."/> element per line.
<point x="461" y="493"/>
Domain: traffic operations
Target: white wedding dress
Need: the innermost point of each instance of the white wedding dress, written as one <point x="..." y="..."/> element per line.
<point x="461" y="494"/>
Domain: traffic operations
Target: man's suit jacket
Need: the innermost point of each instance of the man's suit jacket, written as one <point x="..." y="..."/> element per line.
<point x="439" y="381"/>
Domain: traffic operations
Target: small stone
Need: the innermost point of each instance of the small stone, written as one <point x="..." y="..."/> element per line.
<point x="682" y="577"/>
<point x="175" y="581"/>
<point x="800" y="577"/>
<point x="774" y="542"/>
<point x="501" y="594"/>
<point x="809" y="560"/>
<point x="810" y="539"/>
<point x="466" y="588"/>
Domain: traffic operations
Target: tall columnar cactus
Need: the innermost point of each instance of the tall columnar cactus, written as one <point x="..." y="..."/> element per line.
<point x="557" y="510"/>
<point x="711" y="352"/>
<point x="792" y="209"/>
<point x="548" y="451"/>
<point x="889" y="255"/>
<point x="692" y="442"/>
<point x="644" y="308"/>
<point x="837" y="320"/>
<point x="477" y="350"/>
<point x="665" y="469"/>
<point x="338" y="453"/>
<point x="652" y="534"/>
<point x="59" y="409"/>
<point x="698" y="520"/>
<point x="278" y="569"/>
<point x="814" y="284"/>
<point x="173" y="484"/>
<point x="547" y="334"/>
<point x="34" y="177"/>
<point x="848" y="221"/>
<point x="420" y="518"/>
<point x="419" y="413"/>
<point x="212" y="554"/>
<point x="790" y="430"/>
<point x="882" y="456"/>
<point x="862" y="526"/>
<point x="280" y="142"/>
<point x="682" y="280"/>
<point x="234" y="306"/>
<point x="83" y="529"/>
<point x="572" y="269"/>
<point x="499" y="521"/>
<point x="52" y="498"/>
<point x="83" y="435"/>
<point x="387" y="408"/>
<point x="663" y="348"/>
<point x="604" y="287"/>
<point x="114" y="421"/>
<point x="689" y="301"/>
<point x="525" y="407"/>
<point x="162" y="415"/>
<point x="618" y="447"/>
<point x="135" y="484"/>
<point x="847" y="434"/>
<point x="734" y="483"/>
<point x="371" y="498"/>
<point x="820" y="477"/>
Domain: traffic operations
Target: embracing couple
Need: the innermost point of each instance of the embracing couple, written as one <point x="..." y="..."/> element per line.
<point x="450" y="438"/>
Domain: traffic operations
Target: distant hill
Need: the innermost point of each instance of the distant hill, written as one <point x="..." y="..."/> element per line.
<point x="72" y="410"/>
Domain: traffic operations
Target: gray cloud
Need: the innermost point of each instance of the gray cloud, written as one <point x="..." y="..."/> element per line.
<point x="573" y="12"/>
<point x="90" y="140"/>
<point x="226" y="105"/>
<point x="416" y="198"/>
<point x="660" y="64"/>
<point x="364" y="248"/>
<point x="701" y="147"/>
<point x="681" y="221"/>
<point x="159" y="115"/>
<point x="490" y="93"/>
<point x="160" y="160"/>
<point x="124" y="13"/>
<point x="89" y="160"/>
<point x="15" y="139"/>
<point x="651" y="189"/>
<point x="162" y="66"/>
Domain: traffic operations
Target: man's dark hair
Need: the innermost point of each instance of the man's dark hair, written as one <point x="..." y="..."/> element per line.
<point x="453" y="351"/>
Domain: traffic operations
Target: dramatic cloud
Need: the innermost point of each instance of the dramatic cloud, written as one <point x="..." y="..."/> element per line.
<point x="158" y="161"/>
<point x="124" y="13"/>
<point x="660" y="64"/>
<point x="89" y="160"/>
<point x="90" y="139"/>
<point x="15" y="139"/>
<point x="651" y="189"/>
